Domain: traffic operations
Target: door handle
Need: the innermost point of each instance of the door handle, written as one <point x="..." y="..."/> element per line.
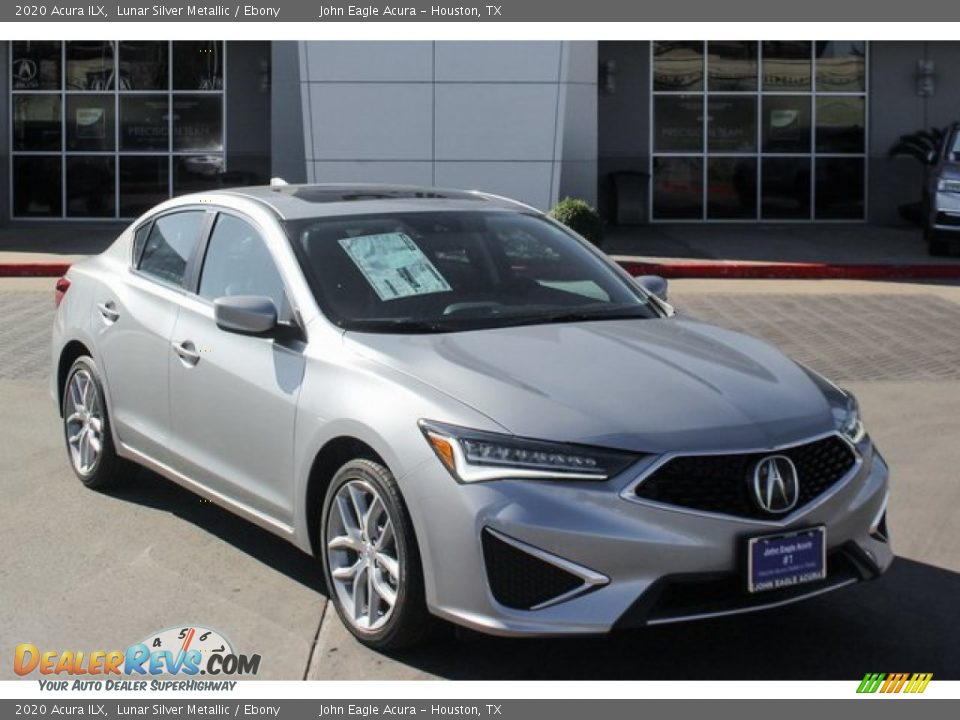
<point x="187" y="352"/>
<point x="109" y="311"/>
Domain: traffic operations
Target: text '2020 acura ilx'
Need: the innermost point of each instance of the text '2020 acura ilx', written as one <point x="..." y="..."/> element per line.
<point x="464" y="410"/>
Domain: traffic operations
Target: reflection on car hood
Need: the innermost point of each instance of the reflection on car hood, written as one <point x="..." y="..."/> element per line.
<point x="645" y="385"/>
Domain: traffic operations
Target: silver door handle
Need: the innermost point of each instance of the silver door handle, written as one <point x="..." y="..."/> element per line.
<point x="109" y="311"/>
<point x="187" y="352"/>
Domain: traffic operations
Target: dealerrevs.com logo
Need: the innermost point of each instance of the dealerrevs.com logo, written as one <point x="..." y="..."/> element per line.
<point x="178" y="651"/>
<point x="887" y="683"/>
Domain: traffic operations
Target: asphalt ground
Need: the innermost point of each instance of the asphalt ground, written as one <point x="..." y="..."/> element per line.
<point x="85" y="570"/>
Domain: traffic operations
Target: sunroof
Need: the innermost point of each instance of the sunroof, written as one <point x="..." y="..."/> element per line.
<point x="314" y="194"/>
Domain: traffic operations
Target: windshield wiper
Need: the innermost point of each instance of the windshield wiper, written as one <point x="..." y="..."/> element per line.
<point x="401" y="325"/>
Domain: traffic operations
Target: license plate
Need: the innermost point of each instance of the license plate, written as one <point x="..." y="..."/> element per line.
<point x="779" y="561"/>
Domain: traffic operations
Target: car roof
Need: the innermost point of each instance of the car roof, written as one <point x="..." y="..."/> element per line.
<point x="293" y="202"/>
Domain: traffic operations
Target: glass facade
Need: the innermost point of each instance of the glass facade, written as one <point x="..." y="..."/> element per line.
<point x="772" y="130"/>
<point x="107" y="129"/>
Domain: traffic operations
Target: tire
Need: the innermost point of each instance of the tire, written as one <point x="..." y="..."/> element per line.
<point x="366" y="489"/>
<point x="85" y="414"/>
<point x="937" y="246"/>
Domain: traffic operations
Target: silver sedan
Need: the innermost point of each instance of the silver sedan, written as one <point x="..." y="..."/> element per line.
<point x="464" y="410"/>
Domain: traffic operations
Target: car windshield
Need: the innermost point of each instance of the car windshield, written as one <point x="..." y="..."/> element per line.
<point x="450" y="271"/>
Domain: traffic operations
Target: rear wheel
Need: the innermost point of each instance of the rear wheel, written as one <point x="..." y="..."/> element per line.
<point x="86" y="428"/>
<point x="370" y="559"/>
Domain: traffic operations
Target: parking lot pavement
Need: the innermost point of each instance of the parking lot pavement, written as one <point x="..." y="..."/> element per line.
<point x="85" y="570"/>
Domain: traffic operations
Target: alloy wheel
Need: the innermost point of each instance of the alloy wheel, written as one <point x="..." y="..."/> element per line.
<point x="83" y="421"/>
<point x="363" y="555"/>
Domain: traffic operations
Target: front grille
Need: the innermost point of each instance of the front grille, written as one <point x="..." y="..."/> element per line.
<point x="948" y="219"/>
<point x="721" y="483"/>
<point x="520" y="580"/>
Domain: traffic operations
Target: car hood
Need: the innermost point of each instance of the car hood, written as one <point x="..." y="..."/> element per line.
<point x="643" y="385"/>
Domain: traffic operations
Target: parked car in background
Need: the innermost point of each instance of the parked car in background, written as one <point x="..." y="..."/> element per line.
<point x="465" y="411"/>
<point x="942" y="195"/>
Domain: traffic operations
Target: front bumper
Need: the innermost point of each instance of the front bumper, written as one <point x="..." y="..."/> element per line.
<point x="945" y="212"/>
<point x="641" y="563"/>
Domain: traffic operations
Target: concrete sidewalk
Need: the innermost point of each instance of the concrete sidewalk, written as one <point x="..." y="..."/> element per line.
<point x="856" y="251"/>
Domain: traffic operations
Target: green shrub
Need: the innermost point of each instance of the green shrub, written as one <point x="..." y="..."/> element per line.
<point x="581" y="217"/>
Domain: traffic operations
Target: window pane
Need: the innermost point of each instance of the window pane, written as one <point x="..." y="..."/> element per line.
<point x="36" y="122"/>
<point x="733" y="65"/>
<point x="839" y="188"/>
<point x="732" y="125"/>
<point x="786" y="65"/>
<point x="143" y="65"/>
<point x="139" y="240"/>
<point x="90" y="65"/>
<point x="35" y="65"/>
<point x="785" y="190"/>
<point x="143" y="183"/>
<point x="36" y="186"/>
<point x="144" y="122"/>
<point x="678" y="123"/>
<point x="198" y="65"/>
<point x="238" y="263"/>
<point x="90" y="122"/>
<point x="786" y="124"/>
<point x="677" y="188"/>
<point x="170" y="244"/>
<point x="196" y="173"/>
<point x="197" y="122"/>
<point x="840" y="66"/>
<point x="678" y="65"/>
<point x="90" y="186"/>
<point x="840" y="124"/>
<point x="731" y="188"/>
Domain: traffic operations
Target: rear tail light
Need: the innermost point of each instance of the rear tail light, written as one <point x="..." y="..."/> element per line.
<point x="63" y="284"/>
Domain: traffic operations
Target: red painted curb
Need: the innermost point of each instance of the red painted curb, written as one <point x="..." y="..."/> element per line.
<point x="33" y="269"/>
<point x="793" y="271"/>
<point x="703" y="270"/>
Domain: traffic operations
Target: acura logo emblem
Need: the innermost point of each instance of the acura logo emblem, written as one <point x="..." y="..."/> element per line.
<point x="24" y="69"/>
<point x="776" y="487"/>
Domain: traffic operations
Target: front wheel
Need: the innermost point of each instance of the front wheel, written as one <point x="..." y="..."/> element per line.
<point x="370" y="559"/>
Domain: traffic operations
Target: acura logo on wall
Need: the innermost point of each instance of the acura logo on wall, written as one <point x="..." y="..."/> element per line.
<point x="24" y="70"/>
<point x="776" y="487"/>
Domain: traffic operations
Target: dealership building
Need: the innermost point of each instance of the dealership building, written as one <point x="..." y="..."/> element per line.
<point x="652" y="132"/>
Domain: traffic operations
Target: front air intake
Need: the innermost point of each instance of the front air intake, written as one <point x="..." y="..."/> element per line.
<point x="521" y="580"/>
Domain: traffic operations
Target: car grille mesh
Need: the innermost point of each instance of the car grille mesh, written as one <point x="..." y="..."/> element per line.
<point x="721" y="483"/>
<point x="520" y="580"/>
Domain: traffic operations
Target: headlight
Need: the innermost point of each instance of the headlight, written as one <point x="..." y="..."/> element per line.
<point x="948" y="186"/>
<point x="848" y="420"/>
<point x="475" y="456"/>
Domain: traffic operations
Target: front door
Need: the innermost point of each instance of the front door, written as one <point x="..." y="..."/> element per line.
<point x="233" y="397"/>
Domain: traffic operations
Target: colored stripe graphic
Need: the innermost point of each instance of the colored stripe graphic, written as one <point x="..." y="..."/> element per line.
<point x="894" y="683"/>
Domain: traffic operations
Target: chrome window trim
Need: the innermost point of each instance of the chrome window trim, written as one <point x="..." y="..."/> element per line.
<point x="629" y="493"/>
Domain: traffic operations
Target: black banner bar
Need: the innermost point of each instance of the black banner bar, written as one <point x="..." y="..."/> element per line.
<point x="301" y="11"/>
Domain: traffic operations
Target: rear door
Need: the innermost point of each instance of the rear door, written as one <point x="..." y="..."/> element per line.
<point x="233" y="398"/>
<point x="134" y="319"/>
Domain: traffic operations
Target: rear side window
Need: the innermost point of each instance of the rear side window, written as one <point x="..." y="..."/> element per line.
<point x="239" y="263"/>
<point x="139" y="240"/>
<point x="169" y="245"/>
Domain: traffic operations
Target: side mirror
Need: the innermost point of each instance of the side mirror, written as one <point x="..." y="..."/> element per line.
<point x="653" y="284"/>
<point x="245" y="314"/>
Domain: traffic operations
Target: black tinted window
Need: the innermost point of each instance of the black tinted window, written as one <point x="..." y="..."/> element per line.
<point x="169" y="245"/>
<point x="238" y="263"/>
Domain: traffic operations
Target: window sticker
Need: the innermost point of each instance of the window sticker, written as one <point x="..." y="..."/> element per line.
<point x="394" y="266"/>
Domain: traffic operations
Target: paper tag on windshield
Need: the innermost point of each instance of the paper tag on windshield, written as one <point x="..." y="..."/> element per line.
<point x="394" y="266"/>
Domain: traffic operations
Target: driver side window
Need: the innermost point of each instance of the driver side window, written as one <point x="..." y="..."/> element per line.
<point x="237" y="262"/>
